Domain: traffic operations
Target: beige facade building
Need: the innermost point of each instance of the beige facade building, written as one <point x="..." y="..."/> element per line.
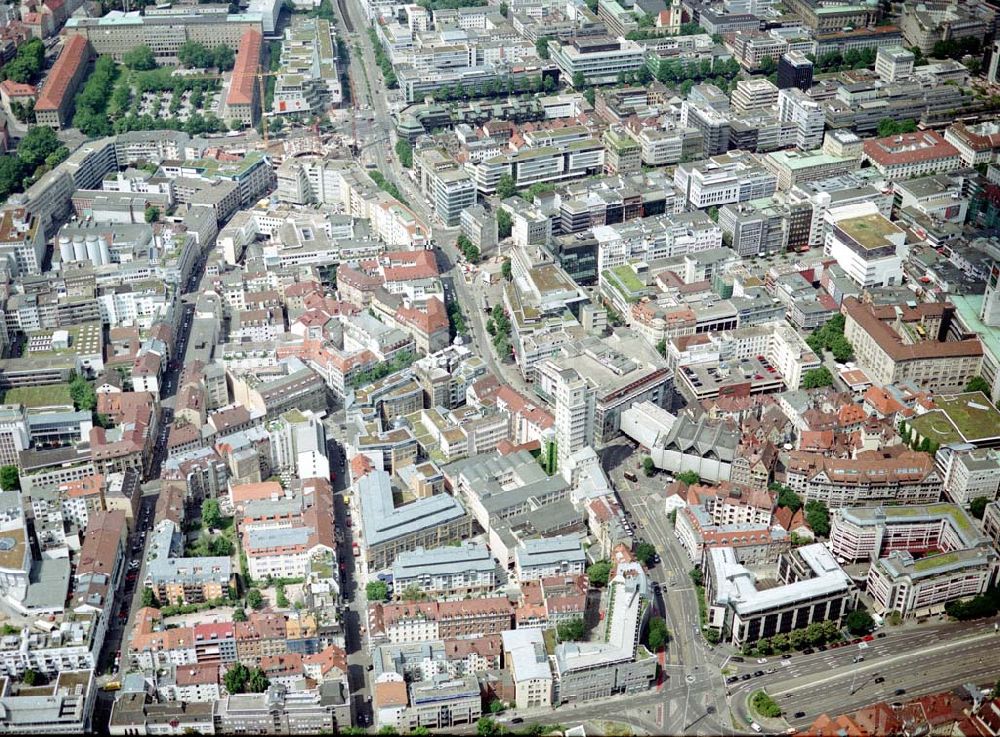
<point x="163" y="31"/>
<point x="921" y="344"/>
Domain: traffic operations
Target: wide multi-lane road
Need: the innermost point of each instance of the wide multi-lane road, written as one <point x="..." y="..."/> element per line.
<point x="917" y="661"/>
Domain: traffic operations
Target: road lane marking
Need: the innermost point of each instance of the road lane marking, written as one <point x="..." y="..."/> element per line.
<point x="888" y="661"/>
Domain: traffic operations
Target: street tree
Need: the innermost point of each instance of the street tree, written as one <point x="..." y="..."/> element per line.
<point x="860" y="622"/>
<point x="658" y="634"/>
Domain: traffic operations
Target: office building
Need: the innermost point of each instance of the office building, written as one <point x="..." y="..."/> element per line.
<point x="528" y="662"/>
<point x="467" y="568"/>
<point x="969" y="473"/>
<point x="898" y="343"/>
<point x="911" y="154"/>
<point x="922" y="586"/>
<point x="389" y="530"/>
<point x="868" y="247"/>
<point x="164" y="31"/>
<point x="813" y="588"/>
<point x="552" y="556"/>
<point x="866" y="533"/>
<point x="795" y="106"/>
<point x="752" y="95"/>
<point x="794" y="70"/>
<point x="615" y="662"/>
<point x="894" y="63"/>
<point x="575" y="407"/>
<point x="600" y="59"/>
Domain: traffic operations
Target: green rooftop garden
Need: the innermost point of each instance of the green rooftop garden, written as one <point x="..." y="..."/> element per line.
<point x="39" y="396"/>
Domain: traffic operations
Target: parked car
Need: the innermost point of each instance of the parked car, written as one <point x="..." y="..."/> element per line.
<point x="758" y="673"/>
<point x="880" y="679"/>
<point x="761" y="660"/>
<point x="808" y="651"/>
<point x="799" y="715"/>
<point x="900" y="691"/>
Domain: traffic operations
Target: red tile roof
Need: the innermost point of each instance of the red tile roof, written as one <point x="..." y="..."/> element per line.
<point x="909" y="148"/>
<point x="74" y="53"/>
<point x="241" y="87"/>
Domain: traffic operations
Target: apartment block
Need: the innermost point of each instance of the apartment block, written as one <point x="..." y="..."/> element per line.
<point x="872" y="477"/>
<point x="468" y="568"/>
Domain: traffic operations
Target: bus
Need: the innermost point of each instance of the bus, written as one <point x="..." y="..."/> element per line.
<point x="486" y="304"/>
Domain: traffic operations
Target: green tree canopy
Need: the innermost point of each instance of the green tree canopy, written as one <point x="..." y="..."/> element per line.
<point x="659" y="636"/>
<point x="26" y="66"/>
<point x="572" y="630"/>
<point x="236" y="677"/>
<point x="10" y="479"/>
<point x="504" y="223"/>
<point x="376" y="590"/>
<point x="148" y="598"/>
<point x="139" y="58"/>
<point x="211" y="514"/>
<point x="254" y="599"/>
<point x="83" y="394"/>
<point x="978" y="384"/>
<point x="817" y="377"/>
<point x="644" y="553"/>
<point x="688" y="477"/>
<point x="506" y="187"/>
<point x="765" y="705"/>
<point x="599" y="572"/>
<point x="405" y="152"/>
<point x="579" y="81"/>
<point x="37" y="145"/>
<point x="818" y="517"/>
<point x="977" y="507"/>
<point x="542" y="47"/>
<point x="789" y="499"/>
<point x="893" y="127"/>
<point x="152" y="213"/>
<point x="12" y="174"/>
<point x="860" y="622"/>
<point x="487" y="727"/>
<point x="648" y="466"/>
<point x="258" y="681"/>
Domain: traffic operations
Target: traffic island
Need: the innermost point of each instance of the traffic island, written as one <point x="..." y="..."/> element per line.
<point x="765" y="711"/>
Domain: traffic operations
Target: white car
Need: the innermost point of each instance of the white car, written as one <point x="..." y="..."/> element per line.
<point x="761" y="660"/>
